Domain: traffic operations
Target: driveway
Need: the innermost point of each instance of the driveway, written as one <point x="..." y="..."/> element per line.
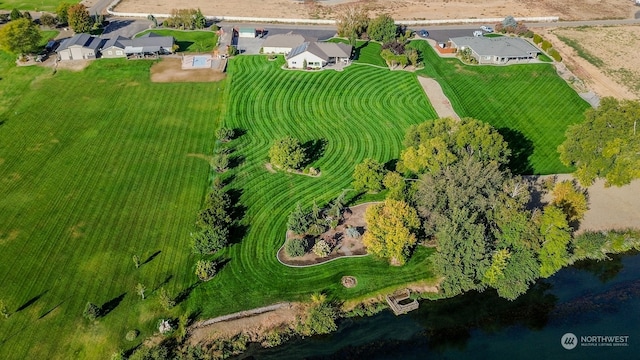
<point x="126" y="27"/>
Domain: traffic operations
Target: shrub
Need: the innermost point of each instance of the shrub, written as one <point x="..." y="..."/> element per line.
<point x="287" y="153"/>
<point x="555" y="54"/>
<point x="395" y="47"/>
<point x="296" y="247"/>
<point x="528" y="34"/>
<point x="546" y="45"/>
<point x="205" y="270"/>
<point x="48" y="20"/>
<point x="165" y="299"/>
<point x="316" y="229"/>
<point x="4" y="312"/>
<point x="91" y="311"/>
<point x="210" y="240"/>
<point x="224" y="134"/>
<point x="352" y="232"/>
<point x="299" y="220"/>
<point x="321" y="248"/>
<point x="131" y="335"/>
<point x="220" y="162"/>
<point x="537" y="39"/>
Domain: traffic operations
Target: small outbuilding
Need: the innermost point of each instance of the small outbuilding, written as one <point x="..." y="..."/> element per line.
<point x="246" y="32"/>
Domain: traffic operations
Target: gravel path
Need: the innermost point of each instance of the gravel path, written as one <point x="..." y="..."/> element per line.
<point x="243" y="314"/>
<point x="438" y="99"/>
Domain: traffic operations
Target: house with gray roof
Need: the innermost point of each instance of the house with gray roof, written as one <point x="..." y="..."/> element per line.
<point x="318" y="54"/>
<point x="116" y="47"/>
<point x="284" y="43"/>
<point x="80" y="47"/>
<point x="497" y="50"/>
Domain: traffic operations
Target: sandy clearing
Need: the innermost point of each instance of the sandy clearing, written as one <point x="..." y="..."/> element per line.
<point x="615" y="46"/>
<point x="399" y="9"/>
<point x="170" y="70"/>
<point x="438" y="99"/>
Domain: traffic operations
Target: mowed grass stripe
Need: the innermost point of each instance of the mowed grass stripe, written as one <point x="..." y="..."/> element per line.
<point x="360" y="114"/>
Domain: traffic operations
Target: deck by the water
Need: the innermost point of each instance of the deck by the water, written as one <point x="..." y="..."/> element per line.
<point x="397" y="308"/>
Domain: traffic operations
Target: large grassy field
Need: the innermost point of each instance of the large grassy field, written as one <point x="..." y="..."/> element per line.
<point x="189" y="41"/>
<point x="358" y="113"/>
<point x="530" y="104"/>
<point x="95" y="167"/>
<point x="39" y="5"/>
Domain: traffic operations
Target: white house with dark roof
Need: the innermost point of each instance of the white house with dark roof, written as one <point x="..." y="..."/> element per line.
<point x="318" y="54"/>
<point x="283" y="43"/>
<point x="79" y="47"/>
<point x="497" y="50"/>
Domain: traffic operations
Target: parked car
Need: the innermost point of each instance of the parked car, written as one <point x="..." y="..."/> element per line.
<point x="488" y="29"/>
<point x="478" y="33"/>
<point x="423" y="33"/>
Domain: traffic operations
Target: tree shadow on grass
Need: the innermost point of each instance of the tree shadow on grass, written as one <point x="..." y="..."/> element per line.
<point x="184" y="294"/>
<point x="237" y="231"/>
<point x="164" y="282"/>
<point x="31" y="301"/>
<point x="51" y="310"/>
<point x="358" y="49"/>
<point x="314" y="149"/>
<point x="184" y="45"/>
<point x="521" y="150"/>
<point x="110" y="305"/>
<point x="238" y="132"/>
<point x="152" y="256"/>
<point x="235" y="161"/>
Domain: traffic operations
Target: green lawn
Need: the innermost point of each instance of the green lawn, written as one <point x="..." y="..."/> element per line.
<point x="39" y="5"/>
<point x="365" y="52"/>
<point x="360" y="112"/>
<point x="95" y="167"/>
<point x="189" y="41"/>
<point x="530" y="104"/>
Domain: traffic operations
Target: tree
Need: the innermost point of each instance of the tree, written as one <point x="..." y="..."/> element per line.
<point x="509" y="21"/>
<point x="91" y="311"/>
<point x="396" y="185"/>
<point x="216" y="211"/>
<point x="205" y="269"/>
<point x="19" y="37"/>
<point x="606" y="145"/>
<point x="140" y="289"/>
<point x="153" y="19"/>
<point x="224" y="134"/>
<point x="62" y="11"/>
<point x="554" y="230"/>
<point x="165" y="299"/>
<point x="48" y="20"/>
<point x="210" y="239"/>
<point x="368" y="176"/>
<point x="320" y="317"/>
<point x="79" y="19"/>
<point x="287" y="153"/>
<point x="412" y="55"/>
<point x="220" y="162"/>
<point x="352" y="21"/>
<point x="296" y="247"/>
<point x="27" y="15"/>
<point x="4" y="312"/>
<point x="299" y="220"/>
<point x="383" y="28"/>
<point x="570" y="199"/>
<point x="391" y="228"/>
<point x="199" y="21"/>
<point x="15" y="14"/>
<point x="136" y="261"/>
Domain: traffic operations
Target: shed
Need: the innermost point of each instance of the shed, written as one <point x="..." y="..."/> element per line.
<point x="246" y="32"/>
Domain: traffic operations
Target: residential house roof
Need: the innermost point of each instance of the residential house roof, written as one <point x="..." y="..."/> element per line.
<point x="498" y="46"/>
<point x="288" y="40"/>
<point x="322" y="50"/>
<point x="117" y="41"/>
<point x="84" y="40"/>
<point x="147" y="43"/>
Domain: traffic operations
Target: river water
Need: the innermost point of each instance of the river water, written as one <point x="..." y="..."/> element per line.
<point x="589" y="299"/>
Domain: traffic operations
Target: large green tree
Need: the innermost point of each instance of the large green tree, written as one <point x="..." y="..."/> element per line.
<point x="352" y="21"/>
<point x="554" y="230"/>
<point x="606" y="145"/>
<point x="391" y="228"/>
<point x="79" y="18"/>
<point x="287" y="153"/>
<point x="19" y="36"/>
<point x="62" y="11"/>
<point x="368" y="176"/>
<point x="383" y="28"/>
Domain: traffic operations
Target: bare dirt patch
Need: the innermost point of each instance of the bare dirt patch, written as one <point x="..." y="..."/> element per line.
<point x="9" y="236"/>
<point x="72" y="65"/>
<point x="398" y="9"/>
<point x="344" y="245"/>
<point x="253" y="326"/>
<point x="614" y="65"/>
<point x="170" y="70"/>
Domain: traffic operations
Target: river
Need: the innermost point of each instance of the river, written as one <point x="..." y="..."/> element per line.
<point x="589" y="299"/>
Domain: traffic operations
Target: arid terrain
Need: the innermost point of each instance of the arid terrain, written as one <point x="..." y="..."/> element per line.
<point x="399" y="9"/>
<point x="611" y="67"/>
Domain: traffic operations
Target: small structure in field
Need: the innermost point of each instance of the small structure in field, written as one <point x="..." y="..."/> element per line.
<point x="400" y="303"/>
<point x="247" y="32"/>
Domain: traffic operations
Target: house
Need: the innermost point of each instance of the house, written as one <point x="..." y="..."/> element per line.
<point x="283" y="43"/>
<point x="147" y="44"/>
<point x="245" y="32"/>
<point x="318" y="54"/>
<point x="497" y="50"/>
<point x="79" y="47"/>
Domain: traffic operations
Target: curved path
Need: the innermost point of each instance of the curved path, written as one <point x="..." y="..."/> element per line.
<point x="438" y="99"/>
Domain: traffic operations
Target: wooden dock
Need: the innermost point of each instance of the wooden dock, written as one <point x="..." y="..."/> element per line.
<point x="394" y="302"/>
